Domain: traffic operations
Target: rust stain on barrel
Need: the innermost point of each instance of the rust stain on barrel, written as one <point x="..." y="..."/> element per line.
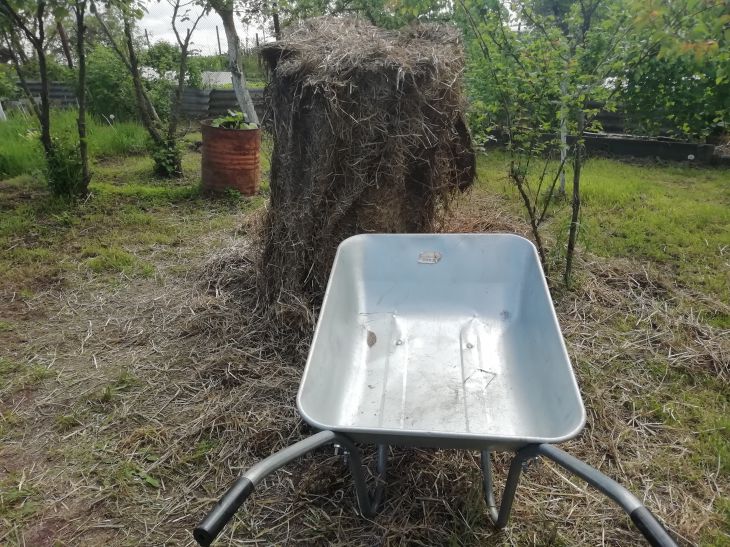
<point x="230" y="159"/>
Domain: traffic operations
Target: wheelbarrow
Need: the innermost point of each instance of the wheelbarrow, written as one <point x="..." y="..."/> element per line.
<point x="444" y="341"/>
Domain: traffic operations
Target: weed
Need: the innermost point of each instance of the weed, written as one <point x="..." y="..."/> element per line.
<point x="200" y="451"/>
<point x="16" y="501"/>
<point x="7" y="368"/>
<point x="168" y="160"/>
<point x="101" y="399"/>
<point x="66" y="422"/>
<point x="16" y="376"/>
<point x="8" y="420"/>
<point x="7" y="326"/>
<point x="128" y="474"/>
<point x="115" y="260"/>
<point x="125" y="381"/>
<point x="64" y="171"/>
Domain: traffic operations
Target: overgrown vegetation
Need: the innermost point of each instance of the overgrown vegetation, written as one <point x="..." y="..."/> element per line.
<point x="21" y="152"/>
<point x="672" y="215"/>
<point x="540" y="68"/>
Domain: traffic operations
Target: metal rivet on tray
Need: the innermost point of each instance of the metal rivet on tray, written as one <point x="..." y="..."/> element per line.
<point x="399" y="342"/>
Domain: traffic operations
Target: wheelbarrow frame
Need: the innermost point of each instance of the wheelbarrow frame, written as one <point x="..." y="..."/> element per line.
<point x="370" y="503"/>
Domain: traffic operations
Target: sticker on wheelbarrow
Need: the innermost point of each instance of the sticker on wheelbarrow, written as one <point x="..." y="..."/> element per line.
<point x="429" y="257"/>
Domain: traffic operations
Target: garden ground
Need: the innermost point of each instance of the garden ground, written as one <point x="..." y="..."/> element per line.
<point x="128" y="402"/>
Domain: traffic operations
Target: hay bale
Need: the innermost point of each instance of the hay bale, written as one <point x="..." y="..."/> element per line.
<point x="369" y="136"/>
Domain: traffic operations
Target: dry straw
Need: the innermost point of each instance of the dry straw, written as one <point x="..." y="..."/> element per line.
<point x="369" y="136"/>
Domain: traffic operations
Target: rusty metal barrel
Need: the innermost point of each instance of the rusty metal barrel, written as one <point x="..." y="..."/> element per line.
<point x="230" y="159"/>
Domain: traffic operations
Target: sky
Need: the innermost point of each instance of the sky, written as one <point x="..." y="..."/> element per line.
<point x="157" y="23"/>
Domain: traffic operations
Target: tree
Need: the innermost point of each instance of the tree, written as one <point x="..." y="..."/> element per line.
<point x="79" y="8"/>
<point x="540" y="65"/>
<point x="383" y="13"/>
<point x="165" y="57"/>
<point x="548" y="61"/>
<point x="29" y="19"/>
<point x="182" y="12"/>
<point x="225" y="9"/>
<point x="687" y="76"/>
<point x="167" y="158"/>
<point x="67" y="165"/>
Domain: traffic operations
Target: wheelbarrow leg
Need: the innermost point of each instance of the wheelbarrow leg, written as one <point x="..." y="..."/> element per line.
<point x="500" y="515"/>
<point x="369" y="504"/>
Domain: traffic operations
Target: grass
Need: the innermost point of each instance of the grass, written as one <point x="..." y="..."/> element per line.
<point x="675" y="216"/>
<point x="130" y="396"/>
<point x="130" y="216"/>
<point x="21" y="151"/>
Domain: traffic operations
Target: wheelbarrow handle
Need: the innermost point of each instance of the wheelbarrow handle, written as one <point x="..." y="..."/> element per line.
<point x="206" y="532"/>
<point x="645" y="521"/>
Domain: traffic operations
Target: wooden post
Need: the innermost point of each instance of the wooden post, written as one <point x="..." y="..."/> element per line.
<point x="277" y="30"/>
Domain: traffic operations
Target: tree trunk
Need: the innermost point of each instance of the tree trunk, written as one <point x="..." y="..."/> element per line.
<point x="234" y="62"/>
<point x="147" y="113"/>
<point x="3" y="117"/>
<point x="574" y="220"/>
<point x="81" y="94"/>
<point x="177" y="101"/>
<point x="45" y="103"/>
<point x="275" y="15"/>
<point x="11" y="40"/>
<point x="563" y="135"/>
<point x="64" y="44"/>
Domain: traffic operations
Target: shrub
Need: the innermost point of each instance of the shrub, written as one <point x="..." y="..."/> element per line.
<point x="110" y="87"/>
<point x="168" y="160"/>
<point x="63" y="168"/>
<point x="8" y="87"/>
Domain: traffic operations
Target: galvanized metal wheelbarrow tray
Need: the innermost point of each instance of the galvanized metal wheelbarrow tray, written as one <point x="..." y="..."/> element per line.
<point x="445" y="341"/>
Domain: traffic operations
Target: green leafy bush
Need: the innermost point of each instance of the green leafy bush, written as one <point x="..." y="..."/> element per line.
<point x="110" y="87"/>
<point x="8" y="87"/>
<point x="683" y="96"/>
<point x="63" y="170"/>
<point x="168" y="160"/>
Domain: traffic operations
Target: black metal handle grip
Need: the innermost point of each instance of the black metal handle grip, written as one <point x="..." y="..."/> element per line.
<point x="651" y="528"/>
<point x="206" y="532"/>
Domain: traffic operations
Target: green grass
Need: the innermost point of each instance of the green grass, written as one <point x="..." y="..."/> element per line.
<point x="675" y="216"/>
<point x="21" y="151"/>
<point x="15" y="376"/>
<point x="115" y="260"/>
<point x="130" y="215"/>
<point x="16" y="501"/>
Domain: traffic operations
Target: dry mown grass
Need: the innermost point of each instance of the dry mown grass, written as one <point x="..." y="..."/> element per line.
<point x="165" y="389"/>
